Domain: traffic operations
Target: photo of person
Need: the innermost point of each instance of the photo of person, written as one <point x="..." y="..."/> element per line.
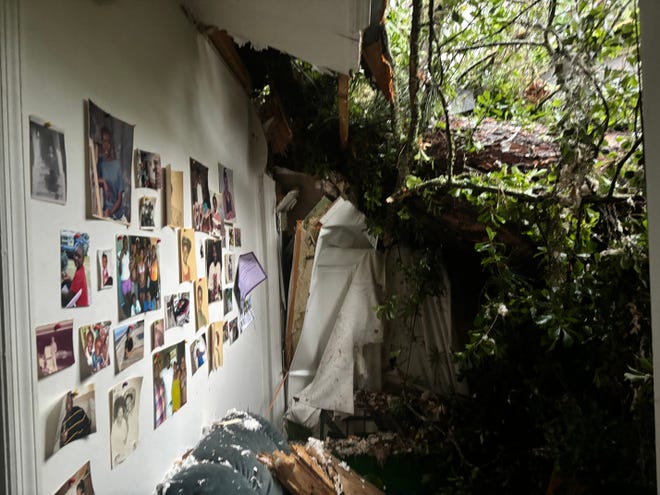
<point x="74" y="269"/>
<point x="124" y="419"/>
<point x="73" y="418"/>
<point x="105" y="265"/>
<point x="233" y="331"/>
<point x="157" y="334"/>
<point x="237" y="237"/>
<point x="229" y="300"/>
<point x="230" y="236"/>
<point x="229" y="268"/>
<point x="200" y="197"/>
<point x="147" y="206"/>
<point x="227" y="191"/>
<point x="198" y="353"/>
<point x="47" y="162"/>
<point x="54" y="347"/>
<point x="110" y="162"/>
<point x="147" y="169"/>
<point x="177" y="310"/>
<point x="138" y="270"/>
<point x="217" y="221"/>
<point x="79" y="483"/>
<point x="216" y="341"/>
<point x="94" y="355"/>
<point x="173" y="197"/>
<point x="187" y="262"/>
<point x="225" y="333"/>
<point x="170" y="382"/>
<point x="201" y="303"/>
<point x="246" y="316"/>
<point x="129" y="345"/>
<point x="214" y="270"/>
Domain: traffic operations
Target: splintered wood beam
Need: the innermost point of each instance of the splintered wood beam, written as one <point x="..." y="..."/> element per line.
<point x="227" y="50"/>
<point x="343" y="111"/>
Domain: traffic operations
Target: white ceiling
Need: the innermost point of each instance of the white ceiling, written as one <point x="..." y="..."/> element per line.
<point x="325" y="33"/>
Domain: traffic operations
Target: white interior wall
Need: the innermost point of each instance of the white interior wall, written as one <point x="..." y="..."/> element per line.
<point x="144" y="63"/>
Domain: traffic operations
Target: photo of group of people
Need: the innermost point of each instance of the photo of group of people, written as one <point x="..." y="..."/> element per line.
<point x="54" y="347"/>
<point x="124" y="419"/>
<point x="138" y="290"/>
<point x="177" y="310"/>
<point x="147" y="208"/>
<point x="80" y="483"/>
<point x="148" y="172"/>
<point x="47" y="162"/>
<point x="74" y="269"/>
<point x="73" y="418"/>
<point x="129" y="345"/>
<point x="110" y="163"/>
<point x="94" y="347"/>
<point x="170" y="382"/>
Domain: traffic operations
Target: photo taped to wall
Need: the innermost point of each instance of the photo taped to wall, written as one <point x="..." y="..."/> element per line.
<point x="110" y="161"/>
<point x="170" y="386"/>
<point x="74" y="269"/>
<point x="73" y="418"/>
<point x="47" y="162"/>
<point x="201" y="303"/>
<point x="177" y="310"/>
<point x="157" y="333"/>
<point x="106" y="268"/>
<point x="173" y="204"/>
<point x="147" y="209"/>
<point x="148" y="171"/>
<point x="214" y="269"/>
<point x="124" y="419"/>
<point x="200" y="196"/>
<point x="217" y="221"/>
<point x="216" y="341"/>
<point x="79" y="483"/>
<point x="94" y="353"/>
<point x="138" y="271"/>
<point x="129" y="345"/>
<point x="227" y="191"/>
<point x="198" y="355"/>
<point x="54" y="347"/>
<point x="187" y="261"/>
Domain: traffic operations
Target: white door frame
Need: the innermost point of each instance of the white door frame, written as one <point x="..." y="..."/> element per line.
<point x="18" y="459"/>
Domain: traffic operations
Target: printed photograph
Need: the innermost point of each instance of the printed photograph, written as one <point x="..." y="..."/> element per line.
<point x="148" y="171"/>
<point x="216" y="342"/>
<point x="229" y="300"/>
<point x="187" y="262"/>
<point x="110" y="164"/>
<point x="225" y="333"/>
<point x="106" y="268"/>
<point x="157" y="334"/>
<point x="73" y="418"/>
<point x="214" y="269"/>
<point x="198" y="353"/>
<point x="230" y="236"/>
<point x="94" y="348"/>
<point x="233" y="331"/>
<point x="80" y="483"/>
<point x="246" y="315"/>
<point x="237" y="237"/>
<point x="124" y="419"/>
<point x="47" y="162"/>
<point x="177" y="310"/>
<point x="200" y="197"/>
<point x="138" y="270"/>
<point x="217" y="222"/>
<point x="129" y="345"/>
<point x="201" y="303"/>
<point x="229" y="268"/>
<point x="74" y="269"/>
<point x="170" y="382"/>
<point x="173" y="198"/>
<point x="54" y="347"/>
<point x="227" y="191"/>
<point x="147" y="208"/>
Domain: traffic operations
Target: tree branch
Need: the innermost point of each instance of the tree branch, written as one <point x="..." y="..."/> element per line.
<point x="498" y="43"/>
<point x="620" y="164"/>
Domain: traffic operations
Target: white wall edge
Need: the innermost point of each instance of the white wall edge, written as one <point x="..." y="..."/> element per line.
<point x="20" y="473"/>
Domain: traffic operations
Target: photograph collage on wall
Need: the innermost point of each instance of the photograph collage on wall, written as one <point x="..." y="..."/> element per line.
<point x="73" y="418"/>
<point x="54" y="347"/>
<point x="200" y="196"/>
<point x="148" y="171"/>
<point x="187" y="262"/>
<point x="74" y="269"/>
<point x="214" y="269"/>
<point x="216" y="340"/>
<point x="110" y="165"/>
<point x="124" y="419"/>
<point x="198" y="354"/>
<point x="79" y="483"/>
<point x="129" y="345"/>
<point x="138" y="271"/>
<point x="173" y="194"/>
<point x="201" y="303"/>
<point x="170" y="391"/>
<point x="177" y="310"/>
<point x="227" y="191"/>
<point x="157" y="333"/>
<point x="47" y="162"/>
<point x="106" y="268"/>
<point x="94" y="348"/>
